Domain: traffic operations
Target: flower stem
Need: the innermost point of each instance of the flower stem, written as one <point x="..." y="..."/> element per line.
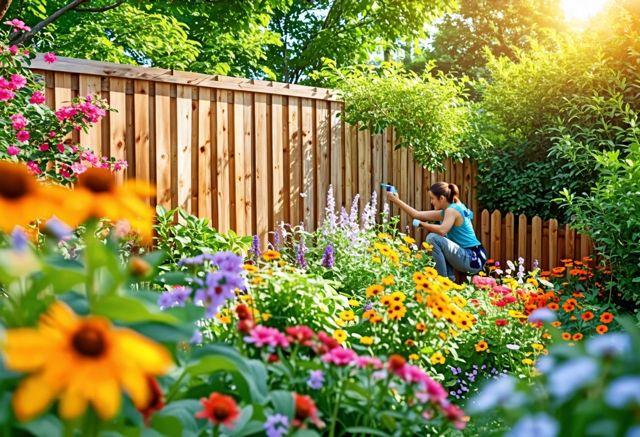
<point x="336" y="407"/>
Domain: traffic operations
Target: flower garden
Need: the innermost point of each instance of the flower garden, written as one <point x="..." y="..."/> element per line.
<point x="111" y="325"/>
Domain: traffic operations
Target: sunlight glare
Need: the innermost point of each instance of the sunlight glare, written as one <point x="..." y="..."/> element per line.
<point x="582" y="10"/>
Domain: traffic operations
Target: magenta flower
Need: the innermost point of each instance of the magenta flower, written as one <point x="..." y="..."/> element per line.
<point x="19" y="121"/>
<point x="13" y="150"/>
<point x="340" y="356"/>
<point x="14" y="49"/>
<point x="18" y="24"/>
<point x="483" y="281"/>
<point x="37" y="98"/>
<point x="60" y="147"/>
<point x="78" y="168"/>
<point x="23" y="136"/>
<point x="34" y="167"/>
<point x="6" y="94"/>
<point x="262" y="336"/>
<point x="373" y="362"/>
<point x="18" y="81"/>
<point x="43" y="147"/>
<point x="50" y="58"/>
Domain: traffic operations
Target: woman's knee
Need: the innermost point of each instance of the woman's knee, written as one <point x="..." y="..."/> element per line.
<point x="434" y="238"/>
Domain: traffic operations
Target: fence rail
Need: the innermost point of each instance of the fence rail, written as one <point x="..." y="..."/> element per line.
<point x="246" y="154"/>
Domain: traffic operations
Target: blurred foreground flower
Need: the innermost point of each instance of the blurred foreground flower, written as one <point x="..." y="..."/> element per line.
<point x="81" y="361"/>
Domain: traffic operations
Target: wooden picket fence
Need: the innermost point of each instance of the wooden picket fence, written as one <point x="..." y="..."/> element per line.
<point x="248" y="154"/>
<point x="509" y="237"/>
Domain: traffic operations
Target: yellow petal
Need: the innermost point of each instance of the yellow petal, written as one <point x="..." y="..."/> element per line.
<point x="72" y="405"/>
<point x="136" y="386"/>
<point x="32" y="397"/>
<point x="106" y="396"/>
<point x="59" y="317"/>
<point x="142" y="353"/>
<point x="25" y="349"/>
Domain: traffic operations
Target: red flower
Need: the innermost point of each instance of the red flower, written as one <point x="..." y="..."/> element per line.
<point x="245" y="326"/>
<point x="327" y="343"/>
<point x="243" y="312"/>
<point x="501" y="322"/>
<point x="155" y="403"/>
<point x="300" y="334"/>
<point x="219" y="409"/>
<point x="305" y="409"/>
<point x="396" y="363"/>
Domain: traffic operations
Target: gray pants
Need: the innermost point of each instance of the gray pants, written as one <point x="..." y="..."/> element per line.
<point x="449" y="256"/>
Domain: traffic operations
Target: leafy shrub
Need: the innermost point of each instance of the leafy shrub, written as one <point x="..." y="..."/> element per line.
<point x="429" y="113"/>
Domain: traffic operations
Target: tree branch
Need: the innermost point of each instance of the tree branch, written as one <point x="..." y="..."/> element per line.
<point x="102" y="9"/>
<point x="24" y="37"/>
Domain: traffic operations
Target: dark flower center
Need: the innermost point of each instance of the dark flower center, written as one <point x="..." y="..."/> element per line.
<point x="97" y="180"/>
<point x="89" y="342"/>
<point x="15" y="182"/>
<point x="220" y="411"/>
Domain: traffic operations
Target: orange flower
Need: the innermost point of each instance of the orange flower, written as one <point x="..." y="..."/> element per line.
<point x="553" y="306"/>
<point x="374" y="290"/>
<point x="566" y="336"/>
<point x="556" y="324"/>
<point x="601" y="329"/>
<point x="482" y="346"/>
<point x="577" y="336"/>
<point x="219" y="409"/>
<point x="606" y="317"/>
<point x="545" y="273"/>
<point x="588" y="315"/>
<point x="566" y="261"/>
<point x="557" y="271"/>
<point x="568" y="307"/>
<point x="421" y="327"/>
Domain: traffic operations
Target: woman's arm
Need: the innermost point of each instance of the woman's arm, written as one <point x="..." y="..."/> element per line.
<point x="425" y="216"/>
<point x="449" y="220"/>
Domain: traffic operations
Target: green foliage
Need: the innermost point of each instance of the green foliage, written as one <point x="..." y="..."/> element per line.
<point x="191" y="236"/>
<point x="429" y="113"/>
<point x="609" y="215"/>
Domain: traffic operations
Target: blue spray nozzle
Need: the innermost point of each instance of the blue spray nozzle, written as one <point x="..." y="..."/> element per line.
<point x="389" y="188"/>
<point x="416" y="222"/>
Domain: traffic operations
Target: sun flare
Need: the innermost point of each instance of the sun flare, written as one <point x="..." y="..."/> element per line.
<point x="582" y="10"/>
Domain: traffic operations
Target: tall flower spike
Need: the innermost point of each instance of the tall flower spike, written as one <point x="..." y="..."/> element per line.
<point x="301" y="251"/>
<point x="330" y="210"/>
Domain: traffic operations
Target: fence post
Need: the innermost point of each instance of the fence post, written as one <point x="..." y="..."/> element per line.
<point x="536" y="240"/>
<point x="553" y="243"/>
<point x="496" y="237"/>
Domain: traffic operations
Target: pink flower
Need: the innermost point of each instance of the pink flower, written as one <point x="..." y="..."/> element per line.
<point x="19" y="121"/>
<point x="300" y="334"/>
<point x="412" y="374"/>
<point x="65" y="173"/>
<point x="37" y="98"/>
<point x="435" y="390"/>
<point x="374" y="362"/>
<point x="23" y="136"/>
<point x="483" y="281"/>
<point x="78" y="168"/>
<point x="14" y="49"/>
<point x="340" y="356"/>
<point x="50" y="58"/>
<point x="6" y="94"/>
<point x="18" y="81"/>
<point x="4" y="83"/>
<point x="52" y="134"/>
<point x="43" y="147"/>
<point x="455" y="414"/>
<point x="263" y="336"/>
<point x="17" y="24"/>
<point x="502" y="289"/>
<point x="13" y="150"/>
<point x="66" y="113"/>
<point x="120" y="164"/>
<point x="34" y="167"/>
<point x="60" y="147"/>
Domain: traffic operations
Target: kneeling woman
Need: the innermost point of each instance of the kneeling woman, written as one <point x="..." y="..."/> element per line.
<point x="454" y="241"/>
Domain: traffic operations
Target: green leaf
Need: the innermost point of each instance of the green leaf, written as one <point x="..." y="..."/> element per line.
<point x="48" y="425"/>
<point x="354" y="430"/>
<point x="283" y="403"/>
<point x="129" y="310"/>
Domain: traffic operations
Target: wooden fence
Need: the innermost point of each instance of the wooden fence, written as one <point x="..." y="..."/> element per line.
<point x="245" y="153"/>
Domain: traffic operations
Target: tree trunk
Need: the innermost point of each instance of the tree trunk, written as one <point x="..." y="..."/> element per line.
<point x="4" y="7"/>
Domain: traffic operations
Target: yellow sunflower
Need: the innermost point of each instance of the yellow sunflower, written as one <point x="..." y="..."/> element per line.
<point x="347" y="316"/>
<point x="367" y="341"/>
<point x="340" y="335"/>
<point x="408" y="240"/>
<point x="23" y="199"/>
<point x="81" y="361"/>
<point x="396" y="311"/>
<point x="398" y="296"/>
<point x="270" y="255"/>
<point x="250" y="268"/>
<point x="430" y="272"/>
<point x="388" y="280"/>
<point x="437" y="358"/>
<point x="374" y="290"/>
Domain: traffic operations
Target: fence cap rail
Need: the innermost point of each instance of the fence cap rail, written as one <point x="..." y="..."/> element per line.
<point x="109" y="69"/>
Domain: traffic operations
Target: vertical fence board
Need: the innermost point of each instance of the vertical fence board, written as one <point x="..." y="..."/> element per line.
<point x="323" y="144"/>
<point x="553" y="243"/>
<point x="205" y="190"/>
<point x="277" y="169"/>
<point x="536" y="240"/>
<point x="141" y="122"/>
<point x="308" y="164"/>
<point x="261" y="167"/>
<point x="239" y="162"/>
<point x="295" y="160"/>
<point x="183" y="106"/>
<point x="163" y="144"/>
<point x="569" y="242"/>
<point x="485" y="229"/>
<point x="337" y="165"/>
<point x="509" y="237"/>
<point x="496" y="237"/>
<point x="92" y="85"/>
<point x="222" y="161"/>
<point x="117" y="121"/>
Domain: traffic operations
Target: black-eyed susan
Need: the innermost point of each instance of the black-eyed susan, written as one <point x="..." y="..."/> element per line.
<point x="396" y="311"/>
<point x="409" y="342"/>
<point x="368" y="314"/>
<point x="374" y="290"/>
<point x="421" y="327"/>
<point x="388" y="280"/>
<point x="482" y="346"/>
<point x="23" y="199"/>
<point x="577" y="336"/>
<point x="566" y="336"/>
<point x="430" y="272"/>
<point x="398" y="296"/>
<point x="270" y="255"/>
<point x="419" y="278"/>
<point x="437" y="358"/>
<point x="340" y="335"/>
<point x="81" y="361"/>
<point x="250" y="268"/>
<point x="414" y="357"/>
<point x="386" y="300"/>
<point x="103" y="197"/>
<point x="347" y="316"/>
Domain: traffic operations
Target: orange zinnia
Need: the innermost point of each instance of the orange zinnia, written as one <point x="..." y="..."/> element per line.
<point x="482" y="346"/>
<point x="606" y="317"/>
<point x="588" y="315"/>
<point x="553" y="306"/>
<point x="601" y="329"/>
<point x="577" y="336"/>
<point x="566" y="336"/>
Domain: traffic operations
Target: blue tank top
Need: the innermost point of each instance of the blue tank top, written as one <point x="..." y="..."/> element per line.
<point x="464" y="234"/>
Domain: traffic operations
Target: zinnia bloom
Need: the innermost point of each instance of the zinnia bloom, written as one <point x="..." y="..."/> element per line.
<point x="219" y="409"/>
<point x="81" y="361"/>
<point x="606" y="317"/>
<point x="305" y="409"/>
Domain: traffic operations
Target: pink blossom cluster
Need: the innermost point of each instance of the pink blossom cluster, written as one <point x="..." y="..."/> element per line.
<point x="262" y="336"/>
<point x="9" y="86"/>
<point x="90" y="112"/>
<point x="484" y="281"/>
<point x="18" y="25"/>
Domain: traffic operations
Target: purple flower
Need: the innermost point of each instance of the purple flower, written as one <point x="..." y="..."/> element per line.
<point x="327" y="258"/>
<point x="316" y="379"/>
<point x="301" y="250"/>
<point x="228" y="262"/>
<point x="542" y="315"/>
<point x="330" y="210"/>
<point x="566" y="378"/>
<point x="19" y="240"/>
<point x="277" y="243"/>
<point x="535" y="425"/>
<point x="219" y="287"/>
<point x="276" y="425"/>
<point x="255" y="246"/>
<point x="59" y="229"/>
<point x="196" y="338"/>
<point x="623" y="391"/>
<point x="609" y="345"/>
<point x="535" y="264"/>
<point x="198" y="259"/>
<point x="173" y="298"/>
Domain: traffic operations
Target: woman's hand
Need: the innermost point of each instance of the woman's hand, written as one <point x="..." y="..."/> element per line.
<point x="392" y="196"/>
